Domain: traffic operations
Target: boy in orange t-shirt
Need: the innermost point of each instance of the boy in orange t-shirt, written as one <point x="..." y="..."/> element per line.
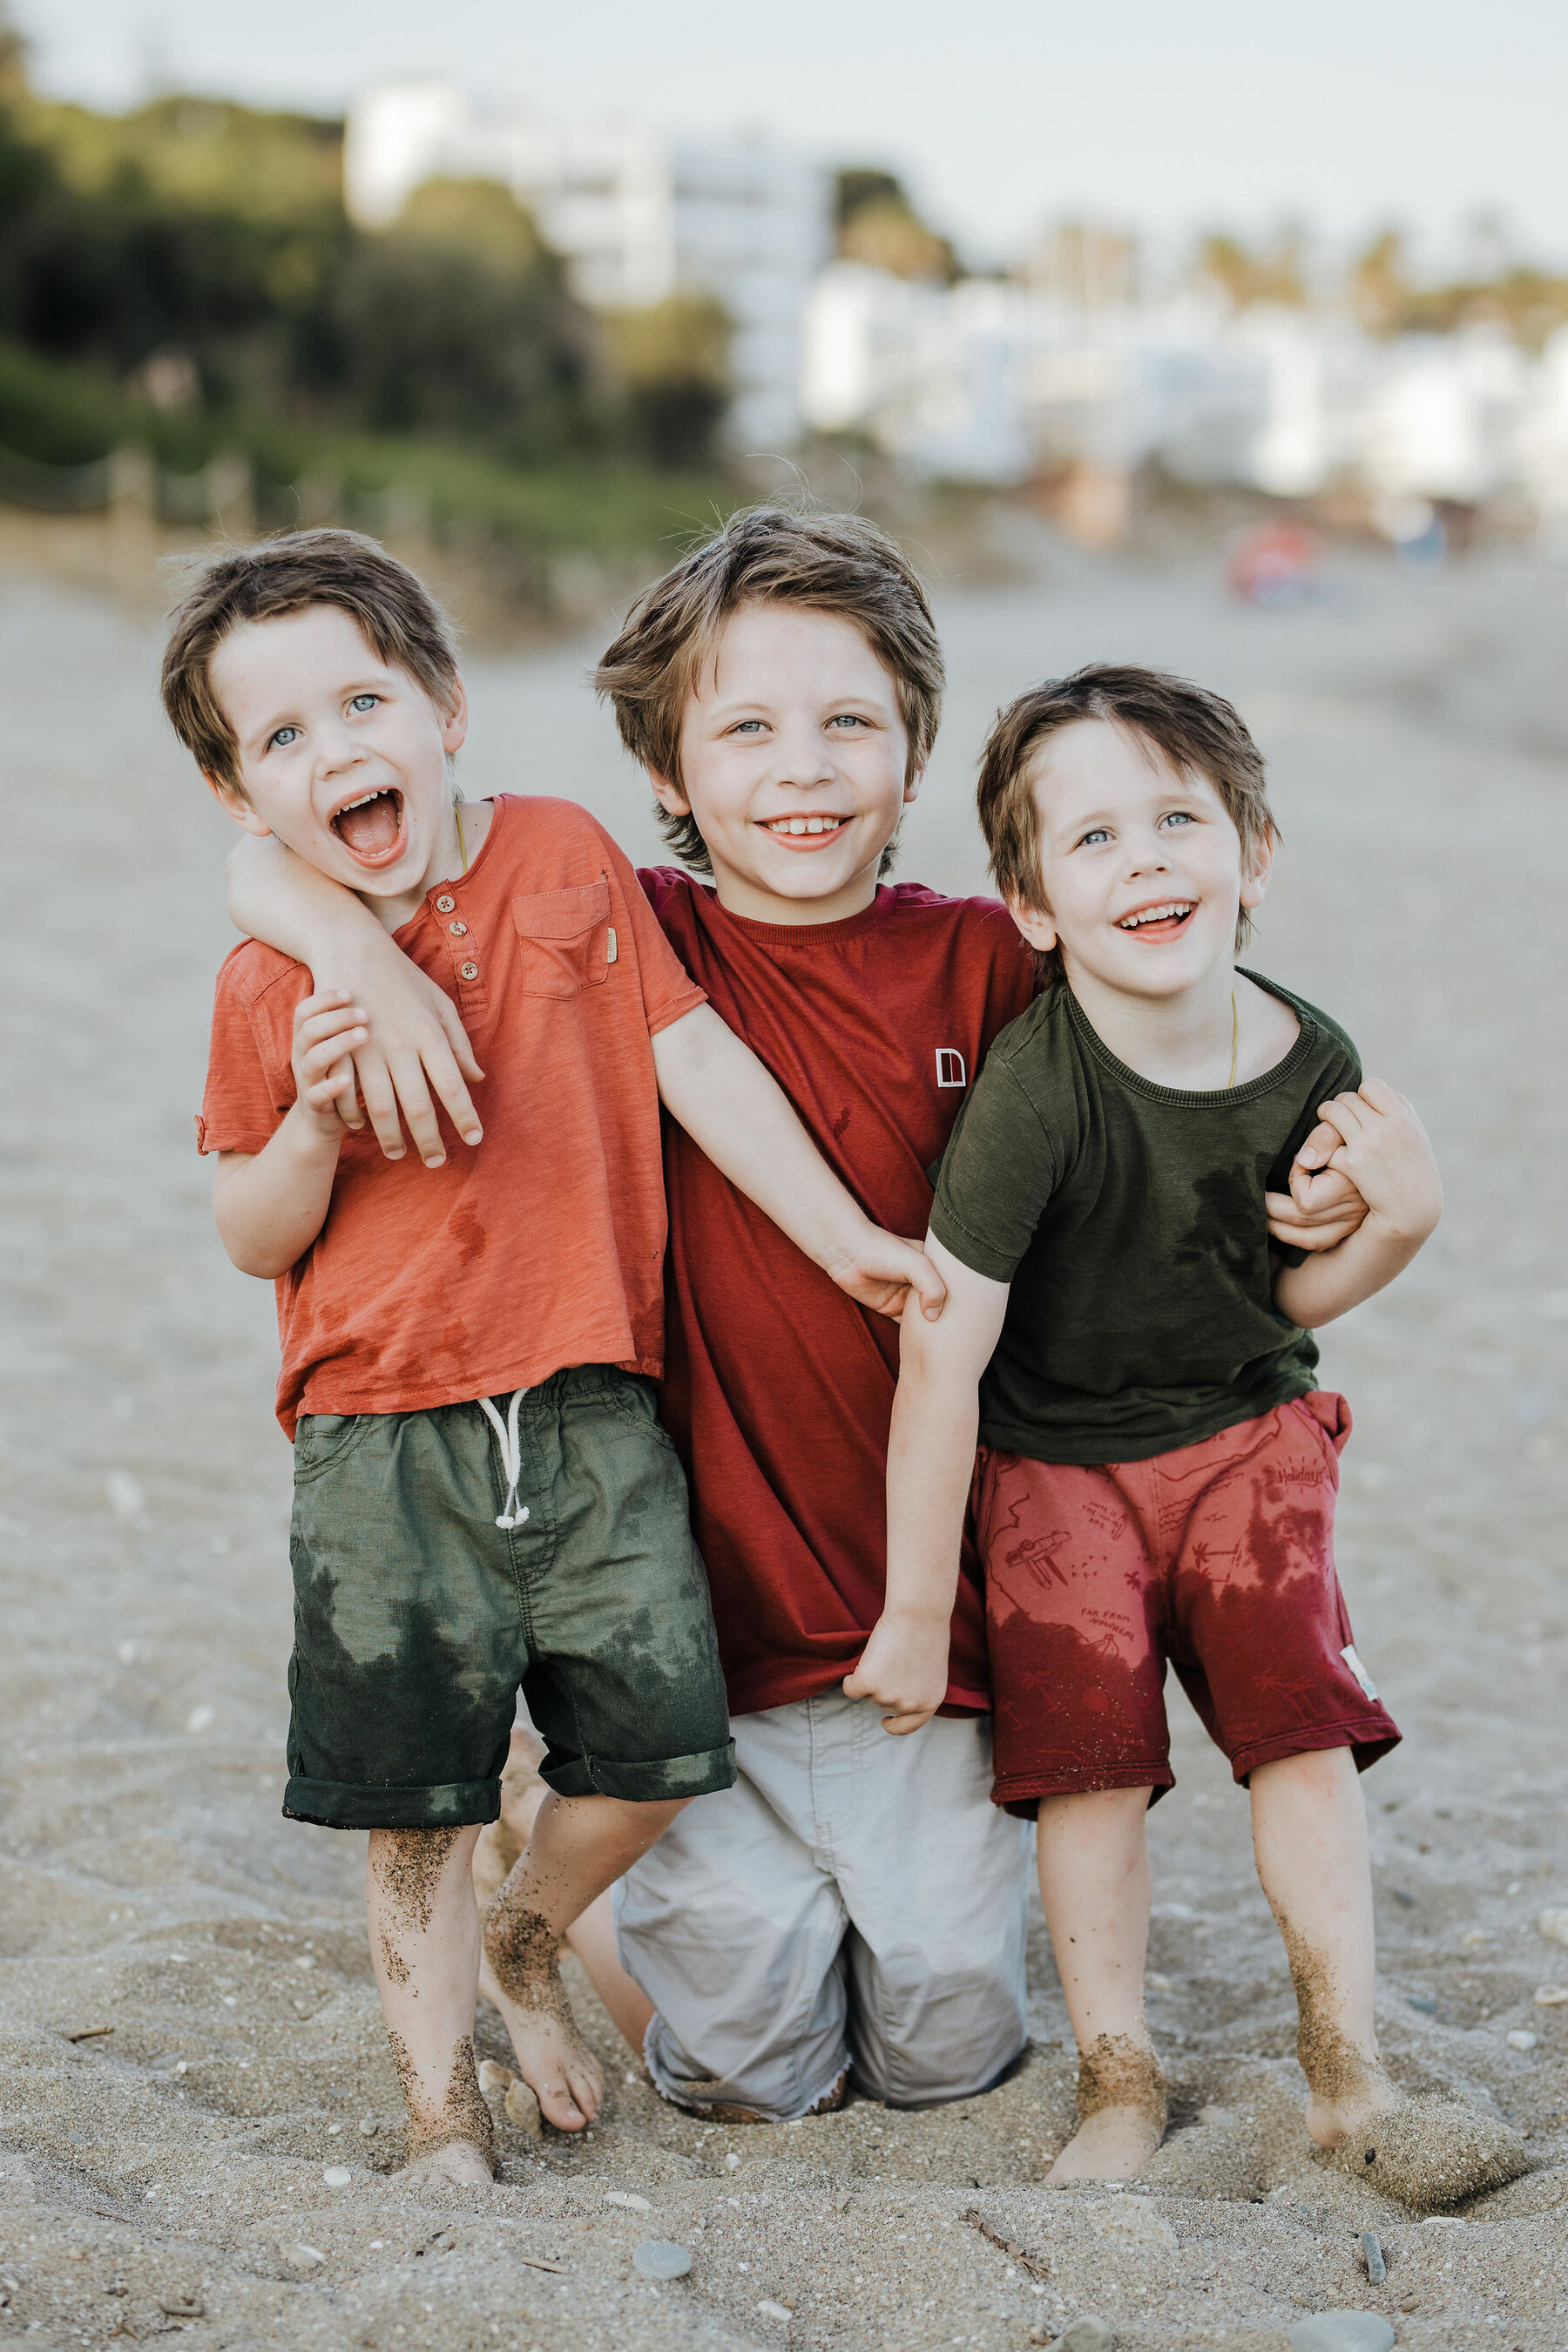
<point x="497" y="1354"/>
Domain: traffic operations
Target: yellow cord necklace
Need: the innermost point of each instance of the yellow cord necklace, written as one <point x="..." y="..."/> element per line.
<point x="1235" y="1025"/>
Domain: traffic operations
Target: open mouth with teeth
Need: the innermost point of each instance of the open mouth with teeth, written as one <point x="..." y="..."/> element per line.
<point x="1165" y="921"/>
<point x="371" y="828"/>
<point x="811" y="830"/>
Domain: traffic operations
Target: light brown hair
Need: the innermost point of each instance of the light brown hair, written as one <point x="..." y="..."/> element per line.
<point x="767" y="554"/>
<point x="394" y="612"/>
<point x="1189" y="727"/>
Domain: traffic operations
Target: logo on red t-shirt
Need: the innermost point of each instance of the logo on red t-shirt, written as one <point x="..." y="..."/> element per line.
<point x="950" y="1070"/>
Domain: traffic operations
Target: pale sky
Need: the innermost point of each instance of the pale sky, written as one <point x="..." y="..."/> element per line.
<point x="999" y="113"/>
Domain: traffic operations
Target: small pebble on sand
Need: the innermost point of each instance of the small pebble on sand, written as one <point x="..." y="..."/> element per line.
<point x="495" y="2080"/>
<point x="1520" y="2039"/>
<point x="201" y="1718"/>
<point x="1553" y="1926"/>
<point x="1372" y="2256"/>
<point x="521" y="2108"/>
<point x="127" y="1496"/>
<point x="1343" y="2331"/>
<point x="629" y="2198"/>
<point x="1550" y="1996"/>
<point x="368" y="2127"/>
<point x="657" y="2258"/>
<point x="770" y="2310"/>
<point x="337" y="2176"/>
<point x="1087" y="2333"/>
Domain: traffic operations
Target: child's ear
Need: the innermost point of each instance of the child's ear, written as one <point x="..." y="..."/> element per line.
<point x="912" y="786"/>
<point x="455" y="718"/>
<point x="668" y="795"/>
<point x="1038" y="927"/>
<point x="234" y="804"/>
<point x="1256" y="873"/>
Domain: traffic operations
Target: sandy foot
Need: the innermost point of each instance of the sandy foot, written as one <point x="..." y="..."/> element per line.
<point x="1122" y="2112"/>
<point x="1352" y="2106"/>
<point x="522" y="1977"/>
<point x="456" y="2162"/>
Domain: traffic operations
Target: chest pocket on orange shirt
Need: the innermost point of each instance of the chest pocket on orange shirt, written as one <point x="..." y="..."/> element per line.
<point x="566" y="939"/>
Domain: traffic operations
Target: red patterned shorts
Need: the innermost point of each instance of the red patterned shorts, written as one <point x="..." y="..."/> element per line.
<point x="1216" y="1559"/>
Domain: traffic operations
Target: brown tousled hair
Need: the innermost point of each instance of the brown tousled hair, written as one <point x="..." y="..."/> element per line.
<point x="1187" y="726"/>
<point x="396" y="613"/>
<point x="767" y="554"/>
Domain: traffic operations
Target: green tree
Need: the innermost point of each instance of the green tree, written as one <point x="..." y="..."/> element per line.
<point x="672" y="361"/>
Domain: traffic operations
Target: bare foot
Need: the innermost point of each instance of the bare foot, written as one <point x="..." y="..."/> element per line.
<point x="1345" y="2081"/>
<point x="523" y="1975"/>
<point x="1347" y="2097"/>
<point x="451" y="2138"/>
<point x="456" y="2162"/>
<point x="1122" y="2112"/>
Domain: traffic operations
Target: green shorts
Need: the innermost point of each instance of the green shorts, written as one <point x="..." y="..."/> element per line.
<point x="417" y="1618"/>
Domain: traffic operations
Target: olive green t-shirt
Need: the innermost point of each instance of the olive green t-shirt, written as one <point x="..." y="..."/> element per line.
<point x="1129" y="1219"/>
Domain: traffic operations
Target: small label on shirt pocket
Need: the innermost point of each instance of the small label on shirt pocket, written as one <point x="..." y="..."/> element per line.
<point x="566" y="939"/>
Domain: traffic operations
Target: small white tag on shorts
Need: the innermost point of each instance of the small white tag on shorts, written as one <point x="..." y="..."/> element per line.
<point x="611" y="950"/>
<point x="1358" y="1670"/>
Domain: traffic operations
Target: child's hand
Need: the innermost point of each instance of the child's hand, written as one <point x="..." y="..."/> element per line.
<point x="903" y="1668"/>
<point x="1386" y="1155"/>
<point x="1322" y="1207"/>
<point x="327" y="1031"/>
<point x="881" y="1270"/>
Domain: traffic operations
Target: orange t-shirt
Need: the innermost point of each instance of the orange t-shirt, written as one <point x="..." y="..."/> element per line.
<point x="543" y="1246"/>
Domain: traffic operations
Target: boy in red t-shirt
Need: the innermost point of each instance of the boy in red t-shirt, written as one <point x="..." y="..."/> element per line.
<point x="850" y="1903"/>
<point x="497" y="1351"/>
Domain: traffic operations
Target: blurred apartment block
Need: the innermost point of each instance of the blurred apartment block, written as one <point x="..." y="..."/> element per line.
<point x="1004" y="380"/>
<point x="636" y="215"/>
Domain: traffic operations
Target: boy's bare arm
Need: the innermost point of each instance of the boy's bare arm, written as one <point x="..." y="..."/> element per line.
<point x="416" y="1045"/>
<point x="739" y="1114"/>
<point x="1387" y="1157"/>
<point x="931" y="1462"/>
<point x="269" y="1205"/>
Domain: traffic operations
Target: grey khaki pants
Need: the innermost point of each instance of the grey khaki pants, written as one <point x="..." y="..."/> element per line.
<point x="854" y="1902"/>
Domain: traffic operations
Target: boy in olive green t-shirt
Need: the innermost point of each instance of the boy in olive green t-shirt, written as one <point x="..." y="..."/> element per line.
<point x="1157" y="1467"/>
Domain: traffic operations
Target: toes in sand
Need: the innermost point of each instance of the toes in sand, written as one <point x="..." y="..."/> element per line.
<point x="1122" y="2112"/>
<point x="1431" y="2153"/>
<point x="522" y="1977"/>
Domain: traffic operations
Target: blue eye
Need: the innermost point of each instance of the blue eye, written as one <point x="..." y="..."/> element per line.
<point x="283" y="739"/>
<point x="748" y="726"/>
<point x="1096" y="833"/>
<point x="847" y="718"/>
<point x="1177" y="816"/>
<point x="364" y="702"/>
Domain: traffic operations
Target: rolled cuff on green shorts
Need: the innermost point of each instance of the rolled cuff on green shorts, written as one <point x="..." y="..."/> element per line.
<point x="417" y="1618"/>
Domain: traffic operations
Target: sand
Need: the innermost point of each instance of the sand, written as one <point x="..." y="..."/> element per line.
<point x="198" y="2113"/>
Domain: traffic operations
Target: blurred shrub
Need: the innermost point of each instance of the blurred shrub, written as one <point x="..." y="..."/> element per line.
<point x="456" y="321"/>
<point x="878" y="224"/>
<point x="672" y="360"/>
<point x="195" y="254"/>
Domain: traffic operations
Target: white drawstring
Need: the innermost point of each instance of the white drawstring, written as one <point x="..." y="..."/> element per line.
<point x="511" y="1456"/>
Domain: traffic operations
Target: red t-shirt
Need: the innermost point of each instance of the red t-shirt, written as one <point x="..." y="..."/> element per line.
<point x="544" y="1245"/>
<point x="778" y="1389"/>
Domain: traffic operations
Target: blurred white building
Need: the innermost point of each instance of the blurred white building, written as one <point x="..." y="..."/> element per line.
<point x="991" y="381"/>
<point x="636" y="217"/>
